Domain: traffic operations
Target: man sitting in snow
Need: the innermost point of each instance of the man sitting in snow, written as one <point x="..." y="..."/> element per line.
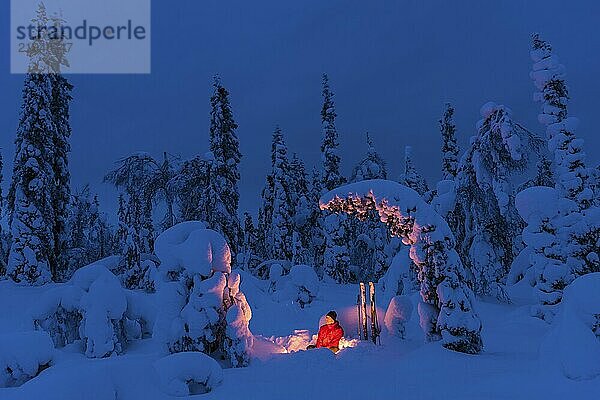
<point x="330" y="333"/>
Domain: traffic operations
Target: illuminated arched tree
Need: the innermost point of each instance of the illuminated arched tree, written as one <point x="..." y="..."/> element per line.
<point x="446" y="308"/>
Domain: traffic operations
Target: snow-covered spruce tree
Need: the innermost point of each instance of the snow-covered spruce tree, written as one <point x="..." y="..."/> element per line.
<point x="569" y="158"/>
<point x="449" y="146"/>
<point x="332" y="176"/>
<point x="372" y="166"/>
<point x="39" y="191"/>
<point x="299" y="199"/>
<point x="571" y="228"/>
<point x="224" y="175"/>
<point x="411" y="176"/>
<point x="446" y="308"/>
<point x="489" y="235"/>
<point x="191" y="184"/>
<point x="31" y="191"/>
<point x="282" y="224"/>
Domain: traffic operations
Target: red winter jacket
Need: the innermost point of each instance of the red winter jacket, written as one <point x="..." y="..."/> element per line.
<point x="330" y="335"/>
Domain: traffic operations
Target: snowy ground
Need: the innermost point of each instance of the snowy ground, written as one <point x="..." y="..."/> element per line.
<point x="509" y="368"/>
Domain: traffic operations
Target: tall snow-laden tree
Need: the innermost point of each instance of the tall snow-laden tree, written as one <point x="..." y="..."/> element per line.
<point x="569" y="158"/>
<point x="411" y="176"/>
<point x="224" y="175"/>
<point x="372" y="166"/>
<point x="121" y="231"/>
<point x="282" y="226"/>
<point x="39" y="192"/>
<point x="449" y="146"/>
<point x="31" y="192"/>
<point x="332" y="176"/>
<point x="562" y="239"/>
<point x="488" y="237"/>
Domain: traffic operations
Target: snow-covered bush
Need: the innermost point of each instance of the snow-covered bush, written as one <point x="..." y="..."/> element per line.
<point x="397" y="315"/>
<point x="185" y="374"/>
<point x="400" y="278"/>
<point x="300" y="286"/>
<point x="202" y="308"/>
<point x="57" y="313"/>
<point x="102" y="306"/>
<point x="90" y="307"/>
<point x="440" y="271"/>
<point x="573" y="345"/>
<point x="23" y="355"/>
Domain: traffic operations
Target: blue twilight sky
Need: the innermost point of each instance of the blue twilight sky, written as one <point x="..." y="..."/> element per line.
<point x="392" y="65"/>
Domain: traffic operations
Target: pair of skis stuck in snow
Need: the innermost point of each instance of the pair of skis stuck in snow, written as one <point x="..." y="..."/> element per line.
<point x="364" y="318"/>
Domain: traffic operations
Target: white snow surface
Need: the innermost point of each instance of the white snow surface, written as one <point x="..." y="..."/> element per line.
<point x="511" y="366"/>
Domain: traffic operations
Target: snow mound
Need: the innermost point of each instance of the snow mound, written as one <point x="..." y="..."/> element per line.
<point x="189" y="245"/>
<point x="397" y="316"/>
<point x="300" y="286"/>
<point x="573" y="345"/>
<point x="185" y="374"/>
<point x="23" y="355"/>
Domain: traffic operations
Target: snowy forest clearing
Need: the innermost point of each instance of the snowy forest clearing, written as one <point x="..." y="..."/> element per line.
<point x="510" y="366"/>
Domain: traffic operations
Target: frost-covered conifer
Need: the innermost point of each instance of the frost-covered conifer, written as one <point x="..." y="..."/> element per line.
<point x="224" y="175"/>
<point x="563" y="225"/>
<point x="282" y="226"/>
<point x="39" y="193"/>
<point x="488" y="235"/>
<point x="332" y="176"/>
<point x="449" y="146"/>
<point x="299" y="199"/>
<point x="569" y="158"/>
<point x="31" y="192"/>
<point x="372" y="166"/>
<point x="411" y="176"/>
